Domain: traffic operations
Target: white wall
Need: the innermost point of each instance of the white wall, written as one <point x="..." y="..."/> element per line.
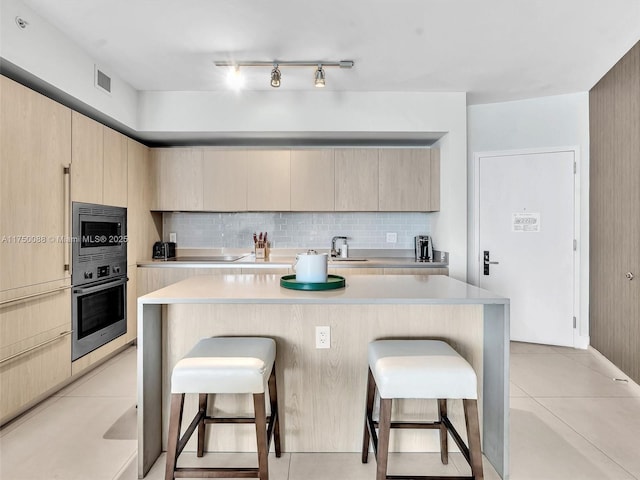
<point x="47" y="53"/>
<point x="558" y="121"/>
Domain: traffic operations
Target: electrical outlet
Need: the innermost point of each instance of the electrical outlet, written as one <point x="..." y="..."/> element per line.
<point x="172" y="237"/>
<point x="323" y="337"/>
<point x="392" y="237"/>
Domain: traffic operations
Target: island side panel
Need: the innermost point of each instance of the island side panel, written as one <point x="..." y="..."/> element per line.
<point x="496" y="387"/>
<point x="150" y="347"/>
<point x="322" y="392"/>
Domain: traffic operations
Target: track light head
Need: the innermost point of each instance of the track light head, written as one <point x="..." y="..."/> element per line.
<point x="319" y="77"/>
<point x="275" y="76"/>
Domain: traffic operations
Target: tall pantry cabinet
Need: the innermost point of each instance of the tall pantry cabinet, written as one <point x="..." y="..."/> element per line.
<point x="35" y="302"/>
<point x="614" y="292"/>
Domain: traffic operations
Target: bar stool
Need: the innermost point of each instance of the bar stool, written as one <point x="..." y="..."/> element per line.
<point x="420" y="369"/>
<point x="224" y="365"/>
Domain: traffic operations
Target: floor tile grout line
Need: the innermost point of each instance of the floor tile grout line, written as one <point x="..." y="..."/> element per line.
<point x="133" y="456"/>
<point x="623" y="375"/>
<point x="581" y="435"/>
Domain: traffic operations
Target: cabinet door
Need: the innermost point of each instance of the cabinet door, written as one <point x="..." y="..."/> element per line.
<point x="35" y="145"/>
<point x="225" y="180"/>
<point x="405" y="179"/>
<point x="115" y="168"/>
<point x="87" y="147"/>
<point x="312" y="180"/>
<point x="143" y="226"/>
<point x="35" y="349"/>
<point x="268" y="180"/>
<point x="356" y="171"/>
<point x="179" y="178"/>
<point x="132" y="304"/>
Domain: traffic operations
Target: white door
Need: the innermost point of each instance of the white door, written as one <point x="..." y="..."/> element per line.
<point x="526" y="221"/>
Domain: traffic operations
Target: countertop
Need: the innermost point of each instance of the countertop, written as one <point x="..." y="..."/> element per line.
<point x="360" y="289"/>
<point x="287" y="261"/>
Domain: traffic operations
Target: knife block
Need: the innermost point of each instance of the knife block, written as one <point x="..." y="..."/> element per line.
<point x="262" y="250"/>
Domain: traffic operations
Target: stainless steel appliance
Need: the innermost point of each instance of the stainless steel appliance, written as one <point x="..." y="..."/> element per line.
<point x="423" y="248"/>
<point x="99" y="276"/>
<point x="164" y="250"/>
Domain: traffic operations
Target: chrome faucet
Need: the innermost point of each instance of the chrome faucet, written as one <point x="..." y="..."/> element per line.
<point x="334" y="253"/>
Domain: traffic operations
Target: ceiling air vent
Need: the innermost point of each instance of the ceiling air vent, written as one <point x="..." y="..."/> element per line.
<point x="103" y="81"/>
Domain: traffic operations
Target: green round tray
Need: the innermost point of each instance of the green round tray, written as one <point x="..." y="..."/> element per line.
<point x="333" y="282"/>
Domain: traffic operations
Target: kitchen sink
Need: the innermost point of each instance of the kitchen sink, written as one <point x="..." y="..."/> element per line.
<point x="211" y="258"/>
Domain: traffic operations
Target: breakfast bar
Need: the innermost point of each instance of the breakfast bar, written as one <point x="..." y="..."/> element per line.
<point x="322" y="390"/>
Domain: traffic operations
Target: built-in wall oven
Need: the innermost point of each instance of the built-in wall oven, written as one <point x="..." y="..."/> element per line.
<point x="98" y="275"/>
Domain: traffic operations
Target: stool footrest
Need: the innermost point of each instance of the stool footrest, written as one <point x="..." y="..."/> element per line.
<point x="189" y="431"/>
<point x="209" y="420"/>
<point x="457" y="438"/>
<point x="228" y="472"/>
<point x="427" y="477"/>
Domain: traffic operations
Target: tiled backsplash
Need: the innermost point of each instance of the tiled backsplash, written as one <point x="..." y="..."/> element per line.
<point x="294" y="230"/>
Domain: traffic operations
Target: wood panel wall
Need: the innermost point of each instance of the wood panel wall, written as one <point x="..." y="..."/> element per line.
<point x="614" y="117"/>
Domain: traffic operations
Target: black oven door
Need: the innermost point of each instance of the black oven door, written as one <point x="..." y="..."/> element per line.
<point x="99" y="314"/>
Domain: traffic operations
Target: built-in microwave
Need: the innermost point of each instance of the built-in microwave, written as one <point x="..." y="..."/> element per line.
<point x="99" y="234"/>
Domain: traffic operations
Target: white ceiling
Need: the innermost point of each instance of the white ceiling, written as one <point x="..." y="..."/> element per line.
<point x="496" y="50"/>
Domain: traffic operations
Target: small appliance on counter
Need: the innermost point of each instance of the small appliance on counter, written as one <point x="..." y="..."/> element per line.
<point x="311" y="267"/>
<point x="164" y="250"/>
<point x="423" y="248"/>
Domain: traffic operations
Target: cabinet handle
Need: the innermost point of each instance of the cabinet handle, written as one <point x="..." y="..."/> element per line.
<point x="67" y="208"/>
<point x="33" y="295"/>
<point x="35" y="347"/>
<point x="629" y="276"/>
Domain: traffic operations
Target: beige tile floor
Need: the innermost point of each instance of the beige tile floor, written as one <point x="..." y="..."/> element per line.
<point x="570" y="420"/>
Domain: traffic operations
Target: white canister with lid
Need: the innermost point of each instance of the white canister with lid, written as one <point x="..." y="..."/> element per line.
<point x="311" y="267"/>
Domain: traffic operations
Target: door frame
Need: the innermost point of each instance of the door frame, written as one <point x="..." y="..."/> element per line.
<point x="581" y="326"/>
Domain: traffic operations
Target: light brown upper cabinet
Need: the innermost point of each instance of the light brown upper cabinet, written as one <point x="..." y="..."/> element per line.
<point x="225" y="180"/>
<point x="178" y="178"/>
<point x="87" y="146"/>
<point x="312" y="180"/>
<point x="98" y="163"/>
<point x="356" y="179"/>
<point x="268" y="180"/>
<point x="114" y="183"/>
<point x="407" y="181"/>
<point x="35" y="146"/>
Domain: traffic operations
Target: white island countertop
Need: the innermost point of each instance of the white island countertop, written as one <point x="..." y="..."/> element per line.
<point x="359" y="289"/>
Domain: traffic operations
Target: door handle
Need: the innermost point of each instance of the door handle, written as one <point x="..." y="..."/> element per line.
<point x="487" y="262"/>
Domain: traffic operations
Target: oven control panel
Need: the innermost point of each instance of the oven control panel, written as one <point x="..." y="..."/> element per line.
<point x="101" y="272"/>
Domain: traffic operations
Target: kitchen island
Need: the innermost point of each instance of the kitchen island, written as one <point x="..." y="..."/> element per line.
<point x="322" y="391"/>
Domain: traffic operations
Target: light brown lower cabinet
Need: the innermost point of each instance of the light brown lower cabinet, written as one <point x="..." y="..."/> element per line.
<point x="35" y="350"/>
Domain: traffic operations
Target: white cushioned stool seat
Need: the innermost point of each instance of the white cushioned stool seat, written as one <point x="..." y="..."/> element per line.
<point x="420" y="369"/>
<point x="225" y="365"/>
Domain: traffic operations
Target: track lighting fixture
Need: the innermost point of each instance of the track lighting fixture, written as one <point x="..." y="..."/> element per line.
<point x="276" y="75"/>
<point x="319" y="77"/>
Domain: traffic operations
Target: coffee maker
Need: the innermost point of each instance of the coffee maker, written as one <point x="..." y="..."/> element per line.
<point x="423" y="248"/>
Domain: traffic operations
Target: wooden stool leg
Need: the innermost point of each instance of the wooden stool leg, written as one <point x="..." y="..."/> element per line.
<point x="261" y="435"/>
<point x="473" y="436"/>
<point x="368" y="415"/>
<point x="273" y="399"/>
<point x="384" y="431"/>
<point x="201" y="425"/>
<point x="444" y="442"/>
<point x="175" y="420"/>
